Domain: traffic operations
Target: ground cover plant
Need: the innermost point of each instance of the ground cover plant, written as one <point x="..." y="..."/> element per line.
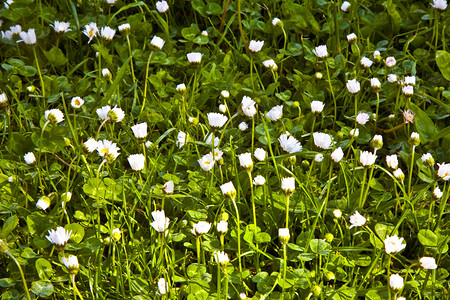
<point x="272" y="149"/>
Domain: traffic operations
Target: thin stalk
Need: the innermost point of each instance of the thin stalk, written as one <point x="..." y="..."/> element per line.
<point x="284" y="267"/>
<point x="284" y="50"/>
<point x="332" y="93"/>
<point x="254" y="217"/>
<point x="75" y="289"/>
<point x="376" y="112"/>
<point x="146" y="81"/>
<point x="219" y="289"/>
<point x="39" y="156"/>
<point x="361" y="195"/>
<point x="411" y="170"/>
<point x="368" y="186"/>
<point x="251" y="72"/>
<point x="238" y="223"/>
<point x="389" y="276"/>
<point x="443" y="204"/>
<point x="40" y="74"/>
<point x="226" y="282"/>
<point x="101" y="125"/>
<point x="287" y="210"/>
<point x="198" y="250"/>
<point x="21" y="273"/>
<point x="328" y="190"/>
<point x="240" y="23"/>
<point x="131" y="59"/>
<point x="356" y="109"/>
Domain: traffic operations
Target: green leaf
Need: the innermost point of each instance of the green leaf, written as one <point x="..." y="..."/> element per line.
<point x="56" y="57"/>
<point x="9" y="225"/>
<point x="396" y="19"/>
<point x="37" y="223"/>
<point x="195" y="270"/>
<point x="6" y="282"/>
<point x="383" y="229"/>
<point x="44" y="269"/>
<point x="262" y="237"/>
<point x="428" y="238"/>
<point x="424" y="125"/>
<point x="28" y="253"/>
<point x="443" y="62"/>
<point x="77" y="232"/>
<point x="319" y="246"/>
<point x="42" y="288"/>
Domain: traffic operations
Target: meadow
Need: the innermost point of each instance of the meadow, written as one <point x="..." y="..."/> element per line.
<point x="217" y="149"/>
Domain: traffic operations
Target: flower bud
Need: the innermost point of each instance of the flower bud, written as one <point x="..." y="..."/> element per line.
<point x="414" y="139"/>
<point x="283" y="235"/>
<point x="116" y="234"/>
<point x="329" y="237"/>
<point x="329" y="276"/>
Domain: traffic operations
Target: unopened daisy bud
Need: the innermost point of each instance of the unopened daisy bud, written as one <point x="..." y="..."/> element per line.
<point x="354" y="132"/>
<point x="392" y="78"/>
<point x="260" y="154"/>
<point x="377" y="142"/>
<point x="399" y="174"/>
<point x="352" y="38"/>
<point x="410" y="80"/>
<point x="367" y="158"/>
<point x="337" y="155"/>
<point x="283" y="235"/>
<point x="125" y="29"/>
<point x="293" y="160"/>
<point x="31" y="88"/>
<point x="353" y="86"/>
<point x="259" y="180"/>
<point x="228" y="190"/>
<point x="321" y="51"/>
<point x="140" y="131"/>
<point x="288" y="185"/>
<point x="43" y="203"/>
<point x="428" y="263"/>
<point x="65" y="197"/>
<point x="437" y="193"/>
<point x="225" y="94"/>
<point x="396" y="282"/>
<point x="157" y="42"/>
<point x="337" y="213"/>
<point x="116" y="114"/>
<point x="444" y="171"/>
<point x="193" y="120"/>
<point x="221" y="258"/>
<point x="408" y="90"/>
<point x="223" y="108"/>
<point x="277" y="22"/>
<point x="270" y="64"/>
<point x="255" y="46"/>
<point x="329" y="237"/>
<point x="222" y="227"/>
<point x="136" y="161"/>
<point x="106" y="74"/>
<point x="345" y="5"/>
<point x="204" y="33"/>
<point x="317" y="107"/>
<point x="245" y="160"/>
<point x="3" y="100"/>
<point x="318" y="75"/>
<point x="365" y="62"/>
<point x="29" y="158"/>
<point x="392" y="161"/>
<point x="54" y="116"/>
<point x="116" y="234"/>
<point x="162" y="284"/>
<point x="318" y="158"/>
<point x="71" y="264"/>
<point x="390" y="62"/>
<point x="428" y="159"/>
<point x="162" y="6"/>
<point x="375" y="84"/>
<point x="377" y="55"/>
<point x="194" y="58"/>
<point x="107" y="33"/>
<point x="224" y="216"/>
<point x="414" y="139"/>
<point x="243" y="126"/>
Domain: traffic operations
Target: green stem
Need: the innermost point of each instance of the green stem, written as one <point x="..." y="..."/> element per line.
<point x="411" y="170"/>
<point x="39" y="156"/>
<point x="361" y="195"/>
<point x="368" y="185"/>
<point x="251" y="72"/>
<point x="146" y="81"/>
<point x="328" y="190"/>
<point x="238" y="223"/>
<point x="254" y="218"/>
<point x="389" y="276"/>
<point x="198" y="250"/>
<point x="21" y="274"/>
<point x="332" y="93"/>
<point x="40" y="74"/>
<point x="376" y="112"/>
<point x="131" y="59"/>
<point x="219" y="296"/>
<point x="284" y="267"/>
<point x="226" y="282"/>
<point x="287" y="211"/>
